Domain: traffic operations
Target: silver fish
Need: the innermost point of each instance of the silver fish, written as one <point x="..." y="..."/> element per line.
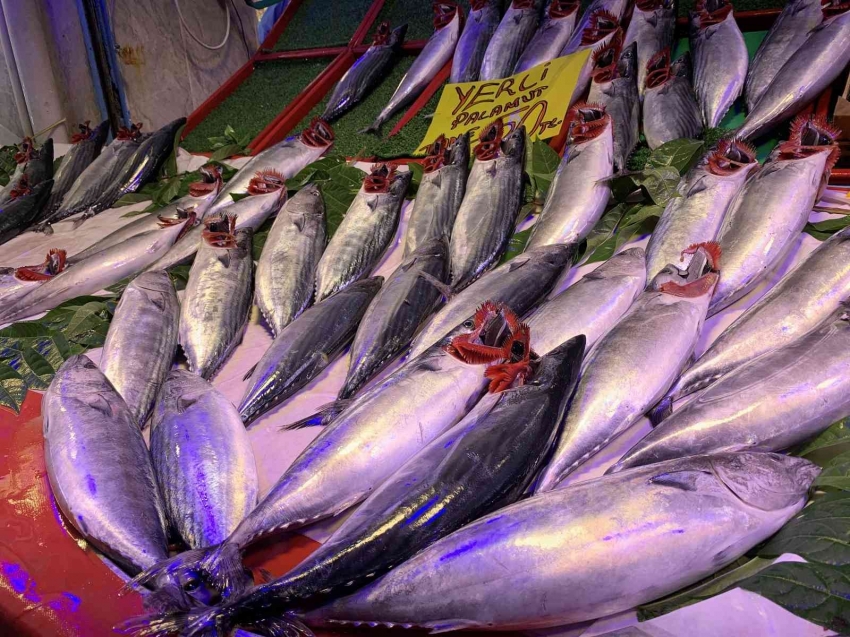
<point x="404" y="303"/>
<point x="37" y="165"/>
<point x="590" y="306"/>
<point x="720" y="58"/>
<point x="217" y="300"/>
<point x="604" y="30"/>
<point x="662" y="326"/>
<point x="771" y="210"/>
<point x="599" y="540"/>
<point x="141" y="341"/>
<point x="440" y="193"/>
<point x="558" y="24"/>
<point x="771" y="403"/>
<point x="433" y="57"/>
<point x="588" y="27"/>
<point x="365" y="233"/>
<point x="286" y="270"/>
<point x="787" y="34"/>
<point x="491" y="204"/>
<point x="99" y="467"/>
<point x="521" y="283"/>
<point x="513" y="34"/>
<point x="579" y="193"/>
<point x="19" y="210"/>
<point x="812" y="68"/>
<point x="17" y="282"/>
<point x="705" y="195"/>
<point x="651" y="28"/>
<point x="305" y="347"/>
<point x="202" y="459"/>
<point x="670" y="109"/>
<point x="481" y="24"/>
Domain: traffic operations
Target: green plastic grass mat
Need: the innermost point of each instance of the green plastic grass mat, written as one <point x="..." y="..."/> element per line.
<point x="416" y="13"/>
<point x="320" y="23"/>
<point x="257" y="101"/>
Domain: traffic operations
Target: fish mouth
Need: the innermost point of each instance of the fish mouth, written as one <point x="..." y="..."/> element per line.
<point x="559" y="9"/>
<point x="602" y="24"/>
<point x="265" y="182"/>
<point x="382" y="34"/>
<point x="587" y="122"/>
<point x="437" y="152"/>
<point x="698" y="278"/>
<point x="444" y="13"/>
<point x="520" y="5"/>
<point x="84" y="134"/>
<point x="134" y="132"/>
<point x="730" y="157"/>
<point x="52" y="265"/>
<point x="658" y="69"/>
<point x="489" y="331"/>
<point x="318" y="134"/>
<point x="519" y="368"/>
<point x="26" y="152"/>
<point x="220" y="231"/>
<point x="379" y="179"/>
<point x="21" y="188"/>
<point x="605" y="61"/>
<point x="712" y="12"/>
<point x="490" y="141"/>
<point x="809" y="136"/>
<point x="210" y="181"/>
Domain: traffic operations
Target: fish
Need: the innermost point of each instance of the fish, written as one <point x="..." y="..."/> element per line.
<point x="513" y="34"/>
<point x="99" y="468"/>
<point x="558" y="24"/>
<point x="22" y="205"/>
<point x="670" y="109"/>
<point x="662" y="326"/>
<point x="480" y="464"/>
<point x="615" y="543"/>
<point x="366" y="73"/>
<point x="441" y="190"/>
<point x="394" y="316"/>
<point x="521" y="283"/>
<point x="592" y="305"/>
<point x="797" y="304"/>
<point x="202" y="460"/>
<point x="26" y="147"/>
<point x="17" y="282"/>
<point x="488" y="213"/>
<point x="589" y="24"/>
<point x="579" y="193"/>
<point x="286" y="158"/>
<point x="704" y="198"/>
<point x="768" y="215"/>
<point x="217" y="300"/>
<point x="651" y="28"/>
<point x="613" y="86"/>
<point x="286" y="270"/>
<point x="305" y="347"/>
<point x="438" y="50"/>
<point x="99" y="271"/>
<point x="481" y="24"/>
<point x="85" y="149"/>
<point x="806" y="74"/>
<point x="787" y="34"/>
<point x="142" y="341"/>
<point x="773" y="402"/>
<point x="366" y="231"/>
<point x="720" y="58"/>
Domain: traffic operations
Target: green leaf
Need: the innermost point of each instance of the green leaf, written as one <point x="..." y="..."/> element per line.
<point x="308" y="173"/>
<point x="136" y="213"/>
<point x="179" y="276"/>
<point x="660" y="184"/>
<point x="56" y="163"/>
<point x="13" y="388"/>
<point x="260" y="237"/>
<point x="836" y="473"/>
<point x="417" y="173"/>
<point x="229" y="132"/>
<point x="516" y="245"/>
<point x="823" y="230"/>
<point x="170" y="166"/>
<point x="338" y="193"/>
<point x="227" y="151"/>
<point x="130" y="198"/>
<point x="168" y="191"/>
<point x="541" y="164"/>
<point x="830" y="443"/>
<point x="679" y="154"/>
<point x="239" y="196"/>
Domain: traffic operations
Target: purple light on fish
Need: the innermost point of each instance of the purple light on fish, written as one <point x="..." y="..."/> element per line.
<point x="20" y="581"/>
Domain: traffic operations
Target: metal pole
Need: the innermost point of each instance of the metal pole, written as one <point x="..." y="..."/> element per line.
<point x="103" y="48"/>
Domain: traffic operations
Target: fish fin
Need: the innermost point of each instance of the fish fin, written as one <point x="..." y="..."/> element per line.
<point x="661" y="411"/>
<point x="444" y="289"/>
<point x="323" y="416"/>
<point x="449" y="625"/>
<point x="222" y="568"/>
<point x="250" y="372"/>
<point x="184" y="403"/>
<point x="516" y="263"/>
<point x="652" y="19"/>
<point x="437" y="179"/>
<point x="224" y="258"/>
<point x="682" y="480"/>
<point x="374" y="129"/>
<point x="98" y="403"/>
<point x="298" y="222"/>
<point x="697" y="188"/>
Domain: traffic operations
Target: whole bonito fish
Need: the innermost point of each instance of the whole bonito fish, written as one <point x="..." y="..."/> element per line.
<point x="441" y="190"/>
<point x="366" y="73"/>
<point x="597" y="539"/>
<point x="36" y="166"/>
<point x="559" y="21"/>
<point x="613" y="86"/>
<point x="286" y="158"/>
<point x="787" y="34"/>
<point x="771" y="403"/>
<point x="22" y="206"/>
<point x="812" y="68"/>
<point x="513" y="34"/>
<point x="99" y="467"/>
<point x="771" y="210"/>
<point x="217" y="300"/>
<point x="202" y="459"/>
<point x="366" y="231"/>
<point x="433" y="57"/>
<point x="16" y="282"/>
<point x="720" y="58"/>
<point x="663" y="326"/>
<point x="579" y="193"/>
<point x="590" y="306"/>
<point x="802" y="300"/>
<point x="99" y="271"/>
<point x="405" y="301"/>
<point x="614" y="10"/>
<point x="305" y="347"/>
<point x="141" y="341"/>
<point x="521" y="283"/>
<point x="286" y="271"/>
<point x="670" y="109"/>
<point x="481" y="24"/>
<point x="491" y="204"/>
<point x="705" y="195"/>
<point x="651" y="28"/>
<point x="603" y="28"/>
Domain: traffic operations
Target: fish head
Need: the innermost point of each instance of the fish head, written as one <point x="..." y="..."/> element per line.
<point x="266" y="182"/>
<point x="832" y="8"/>
<point x="811" y="136"/>
<point x="437" y="155"/>
<point x="397" y="36"/>
<point x="518" y="356"/>
<point x="382" y="34"/>
<point x="766" y="481"/>
<point x="52" y="265"/>
<point x="444" y="12"/>
<point x="478" y="5"/>
<point x="587" y="122"/>
<point x="602" y="24"/>
<point x="318" y="134"/>
<point x="81" y="376"/>
<point x="220" y="231"/>
<point x="560" y="9"/>
<point x="84" y="132"/>
<point x="307" y="201"/>
<point x="627" y="63"/>
<point x="699" y="278"/>
<point x="434" y="248"/>
<point x="732" y="157"/>
<point x="558" y="370"/>
<point x="658" y="69"/>
<point x="26" y="151"/>
<point x="134" y="132"/>
<point x="555" y="256"/>
<point x="180" y="390"/>
<point x="604" y="59"/>
<point x="186" y="218"/>
<point x="490" y="141"/>
<point x="708" y="13"/>
<point x="210" y="183"/>
<point x="21" y="188"/>
<point x="459" y="150"/>
<point x="481" y="338"/>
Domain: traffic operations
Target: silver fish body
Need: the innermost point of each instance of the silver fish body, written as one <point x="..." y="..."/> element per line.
<point x="598" y="539"/>
<point x="670" y="111"/>
<point x="286" y="270"/>
<point x="12" y="288"/>
<point x="99" y="467"/>
<point x="17" y="214"/>
<point x="216" y="303"/>
<point x="550" y="38"/>
<point x="617" y="8"/>
<point x="480" y="26"/>
<point x="651" y="29"/>
<point x="513" y="34"/>
<point x="142" y="340"/>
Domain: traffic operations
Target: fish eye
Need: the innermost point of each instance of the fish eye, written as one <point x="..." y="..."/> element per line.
<point x="517" y="348"/>
<point x="469" y="324"/>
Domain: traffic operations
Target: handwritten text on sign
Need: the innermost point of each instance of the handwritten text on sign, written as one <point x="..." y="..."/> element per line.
<point x="537" y="98"/>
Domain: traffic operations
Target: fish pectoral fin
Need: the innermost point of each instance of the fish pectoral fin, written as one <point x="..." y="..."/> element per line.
<point x="661" y="411"/>
<point x="449" y="625"/>
<point x="697" y="188"/>
<point x="682" y="480"/>
<point x="323" y="416"/>
<point x="298" y="222"/>
<point x="444" y="289"/>
<point x="250" y="372"/>
<point x="98" y="402"/>
<point x="185" y="402"/>
<point x="224" y="258"/>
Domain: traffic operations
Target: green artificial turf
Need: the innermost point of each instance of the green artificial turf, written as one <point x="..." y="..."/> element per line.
<point x="257" y="101"/>
<point x="416" y="13"/>
<point x="320" y="23"/>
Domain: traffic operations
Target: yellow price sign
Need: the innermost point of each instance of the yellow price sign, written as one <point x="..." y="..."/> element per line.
<point x="537" y="98"/>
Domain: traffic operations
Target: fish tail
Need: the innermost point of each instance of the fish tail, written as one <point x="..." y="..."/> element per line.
<point x="323" y="416"/>
<point x="374" y="129"/>
<point x="222" y="567"/>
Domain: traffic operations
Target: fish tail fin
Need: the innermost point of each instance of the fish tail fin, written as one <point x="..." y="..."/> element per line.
<point x="222" y="567"/>
<point x="374" y="129"/>
<point x="323" y="416"/>
<point x="215" y="621"/>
